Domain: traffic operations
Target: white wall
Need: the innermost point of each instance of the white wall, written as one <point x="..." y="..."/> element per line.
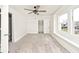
<point x="66" y="39"/>
<point x="24" y="24"/>
<point x="4" y="29"/>
<point x="32" y="23"/>
<point x="18" y="24"/>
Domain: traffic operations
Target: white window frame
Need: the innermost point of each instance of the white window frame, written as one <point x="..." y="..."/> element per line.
<point x="59" y="25"/>
<point x="73" y="21"/>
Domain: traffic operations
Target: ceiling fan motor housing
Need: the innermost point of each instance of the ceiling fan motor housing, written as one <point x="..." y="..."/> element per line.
<point x="35" y="11"/>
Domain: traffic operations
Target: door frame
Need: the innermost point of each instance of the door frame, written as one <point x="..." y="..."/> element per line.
<point x="11" y="25"/>
<point x="41" y="22"/>
<point x="0" y="27"/>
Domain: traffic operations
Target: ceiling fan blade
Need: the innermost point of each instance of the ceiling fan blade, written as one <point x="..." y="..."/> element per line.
<point x="41" y="10"/>
<point x="30" y="12"/>
<point x="28" y="9"/>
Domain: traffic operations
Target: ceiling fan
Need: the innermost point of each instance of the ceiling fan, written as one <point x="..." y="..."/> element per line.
<point x="35" y="10"/>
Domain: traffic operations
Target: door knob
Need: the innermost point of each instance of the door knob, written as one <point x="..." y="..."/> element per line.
<point x="5" y="34"/>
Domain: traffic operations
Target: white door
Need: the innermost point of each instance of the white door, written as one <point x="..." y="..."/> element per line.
<point x="0" y="28"/>
<point x="40" y="26"/>
<point x="4" y="29"/>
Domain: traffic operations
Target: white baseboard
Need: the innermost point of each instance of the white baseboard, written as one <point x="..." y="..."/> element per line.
<point x="19" y="38"/>
<point x="71" y="48"/>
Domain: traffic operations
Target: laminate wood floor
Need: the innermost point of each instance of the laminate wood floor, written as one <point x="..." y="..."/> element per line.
<point x="36" y="43"/>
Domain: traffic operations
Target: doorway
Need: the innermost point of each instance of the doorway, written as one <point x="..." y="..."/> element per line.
<point x="40" y="26"/>
<point x="10" y="27"/>
<point x="0" y="28"/>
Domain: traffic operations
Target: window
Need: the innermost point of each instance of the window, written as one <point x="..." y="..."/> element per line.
<point x="63" y="21"/>
<point x="76" y="20"/>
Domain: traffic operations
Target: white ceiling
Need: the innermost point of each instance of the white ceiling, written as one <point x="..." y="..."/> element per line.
<point x="49" y="8"/>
